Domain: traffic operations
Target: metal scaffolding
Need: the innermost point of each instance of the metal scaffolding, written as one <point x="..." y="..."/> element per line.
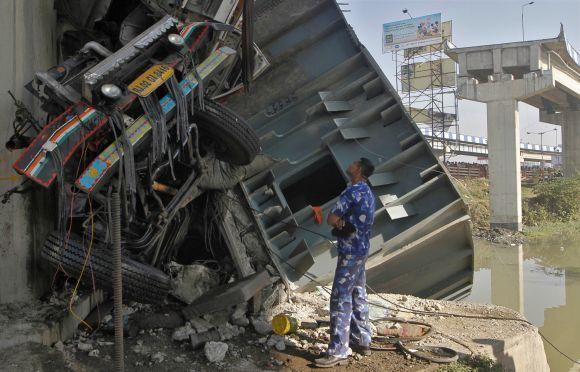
<point x="426" y="82"/>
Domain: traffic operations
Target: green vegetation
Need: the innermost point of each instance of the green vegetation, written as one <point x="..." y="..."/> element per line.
<point x="549" y="207"/>
<point x="554" y="200"/>
<point x="475" y="192"/>
<point x="477" y="363"/>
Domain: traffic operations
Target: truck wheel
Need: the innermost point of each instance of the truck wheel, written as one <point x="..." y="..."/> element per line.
<point x="141" y="283"/>
<point x="237" y="143"/>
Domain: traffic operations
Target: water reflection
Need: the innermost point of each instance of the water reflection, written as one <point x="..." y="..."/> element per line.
<point x="540" y="279"/>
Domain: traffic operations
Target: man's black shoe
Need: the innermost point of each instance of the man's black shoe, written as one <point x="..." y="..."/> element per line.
<point x="330" y="361"/>
<point x="362" y="350"/>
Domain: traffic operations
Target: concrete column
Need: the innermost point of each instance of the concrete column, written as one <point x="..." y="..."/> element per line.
<point x="497" y="65"/>
<point x="27" y="39"/>
<point x="571" y="143"/>
<point x="503" y="131"/>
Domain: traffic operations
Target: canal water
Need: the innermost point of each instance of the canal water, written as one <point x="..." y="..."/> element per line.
<point x="540" y="279"/>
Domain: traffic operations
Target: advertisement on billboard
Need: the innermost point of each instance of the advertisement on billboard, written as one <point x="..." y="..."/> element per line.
<point x="428" y="116"/>
<point x="423" y="75"/>
<point x="446" y="33"/>
<point x="412" y="33"/>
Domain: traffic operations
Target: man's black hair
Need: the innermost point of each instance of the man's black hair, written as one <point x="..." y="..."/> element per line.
<point x="367" y="168"/>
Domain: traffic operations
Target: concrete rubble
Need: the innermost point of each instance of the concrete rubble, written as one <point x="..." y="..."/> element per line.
<point x="231" y="346"/>
<point x="190" y="282"/>
<point x="215" y="351"/>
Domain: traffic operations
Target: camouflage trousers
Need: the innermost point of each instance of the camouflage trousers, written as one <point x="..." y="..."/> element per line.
<point x="349" y="311"/>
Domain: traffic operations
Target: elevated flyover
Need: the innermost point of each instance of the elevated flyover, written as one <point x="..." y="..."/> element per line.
<point x="465" y="144"/>
<point x="542" y="73"/>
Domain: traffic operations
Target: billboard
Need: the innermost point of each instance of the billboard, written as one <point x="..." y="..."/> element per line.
<point x="423" y="75"/>
<point x="412" y="33"/>
<point x="428" y="116"/>
<point x="446" y="34"/>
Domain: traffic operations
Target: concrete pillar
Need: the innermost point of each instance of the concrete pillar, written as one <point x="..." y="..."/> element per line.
<point x="497" y="66"/>
<point x="503" y="132"/>
<point x="571" y="143"/>
<point x="27" y="41"/>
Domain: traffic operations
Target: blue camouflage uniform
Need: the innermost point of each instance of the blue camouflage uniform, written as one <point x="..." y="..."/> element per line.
<point x="349" y="313"/>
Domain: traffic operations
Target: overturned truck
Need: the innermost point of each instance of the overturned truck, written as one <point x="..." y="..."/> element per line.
<point x="227" y="148"/>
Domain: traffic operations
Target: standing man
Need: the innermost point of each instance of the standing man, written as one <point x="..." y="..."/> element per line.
<point x="351" y="218"/>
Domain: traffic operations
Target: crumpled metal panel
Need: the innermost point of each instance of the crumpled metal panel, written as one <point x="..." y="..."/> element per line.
<point x="323" y="103"/>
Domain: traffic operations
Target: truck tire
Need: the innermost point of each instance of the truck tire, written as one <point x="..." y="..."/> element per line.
<point x="237" y="142"/>
<point x="141" y="283"/>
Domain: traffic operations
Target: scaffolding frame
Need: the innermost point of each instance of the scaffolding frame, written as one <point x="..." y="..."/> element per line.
<point x="437" y="99"/>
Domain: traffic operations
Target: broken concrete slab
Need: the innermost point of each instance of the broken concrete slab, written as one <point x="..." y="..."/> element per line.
<point x="167" y="320"/>
<point x="35" y="328"/>
<point x="33" y="357"/>
<point x="183" y="333"/>
<point x="228" y="295"/>
<point x="190" y="282"/>
<point x="200" y="325"/>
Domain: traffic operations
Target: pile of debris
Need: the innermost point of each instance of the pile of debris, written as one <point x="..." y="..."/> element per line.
<point x="131" y="111"/>
<point x="234" y="338"/>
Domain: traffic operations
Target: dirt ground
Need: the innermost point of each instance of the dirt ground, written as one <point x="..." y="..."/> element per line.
<point x="154" y="349"/>
<point x="180" y="357"/>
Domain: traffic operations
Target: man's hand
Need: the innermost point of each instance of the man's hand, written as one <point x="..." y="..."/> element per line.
<point x="335" y="221"/>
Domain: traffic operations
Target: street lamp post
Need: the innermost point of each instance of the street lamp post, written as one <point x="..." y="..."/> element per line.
<point x="542" y="147"/>
<point x="523" y="33"/>
<point x="406" y="11"/>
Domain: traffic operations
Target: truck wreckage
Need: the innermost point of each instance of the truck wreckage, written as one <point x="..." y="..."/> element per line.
<point x="226" y="138"/>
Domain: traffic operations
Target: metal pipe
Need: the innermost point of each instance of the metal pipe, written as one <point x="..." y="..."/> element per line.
<point x="97" y="48"/>
<point x="117" y="282"/>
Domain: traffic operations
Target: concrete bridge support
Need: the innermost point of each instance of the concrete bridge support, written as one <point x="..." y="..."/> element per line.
<point x="542" y="73"/>
<point x="569" y="121"/>
<point x="501" y="94"/>
<point x="571" y="142"/>
<point x="503" y="129"/>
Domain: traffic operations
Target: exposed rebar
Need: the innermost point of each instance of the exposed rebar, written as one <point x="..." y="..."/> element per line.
<point x="117" y="282"/>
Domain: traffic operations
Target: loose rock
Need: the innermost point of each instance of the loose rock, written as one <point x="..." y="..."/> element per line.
<point x="280" y="346"/>
<point x="59" y="346"/>
<point x="215" y="351"/>
<point x="239" y="317"/>
<point x="157" y="357"/>
<point x="192" y="281"/>
<point x="183" y="333"/>
<point x="84" y="346"/>
<point x="261" y="326"/>
<point x="228" y="331"/>
<point x="94" y="353"/>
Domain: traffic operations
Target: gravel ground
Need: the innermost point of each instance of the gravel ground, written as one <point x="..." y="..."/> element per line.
<point x="155" y="350"/>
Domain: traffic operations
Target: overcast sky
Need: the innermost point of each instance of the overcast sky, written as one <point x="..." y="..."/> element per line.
<point x="475" y="22"/>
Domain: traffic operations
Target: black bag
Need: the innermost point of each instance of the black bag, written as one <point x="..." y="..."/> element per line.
<point x="347" y="230"/>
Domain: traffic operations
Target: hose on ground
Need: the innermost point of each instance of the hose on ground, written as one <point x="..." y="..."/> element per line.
<point x="436" y="354"/>
<point x="117" y="282"/>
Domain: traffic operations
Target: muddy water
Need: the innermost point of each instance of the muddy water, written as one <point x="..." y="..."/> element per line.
<point x="540" y="279"/>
